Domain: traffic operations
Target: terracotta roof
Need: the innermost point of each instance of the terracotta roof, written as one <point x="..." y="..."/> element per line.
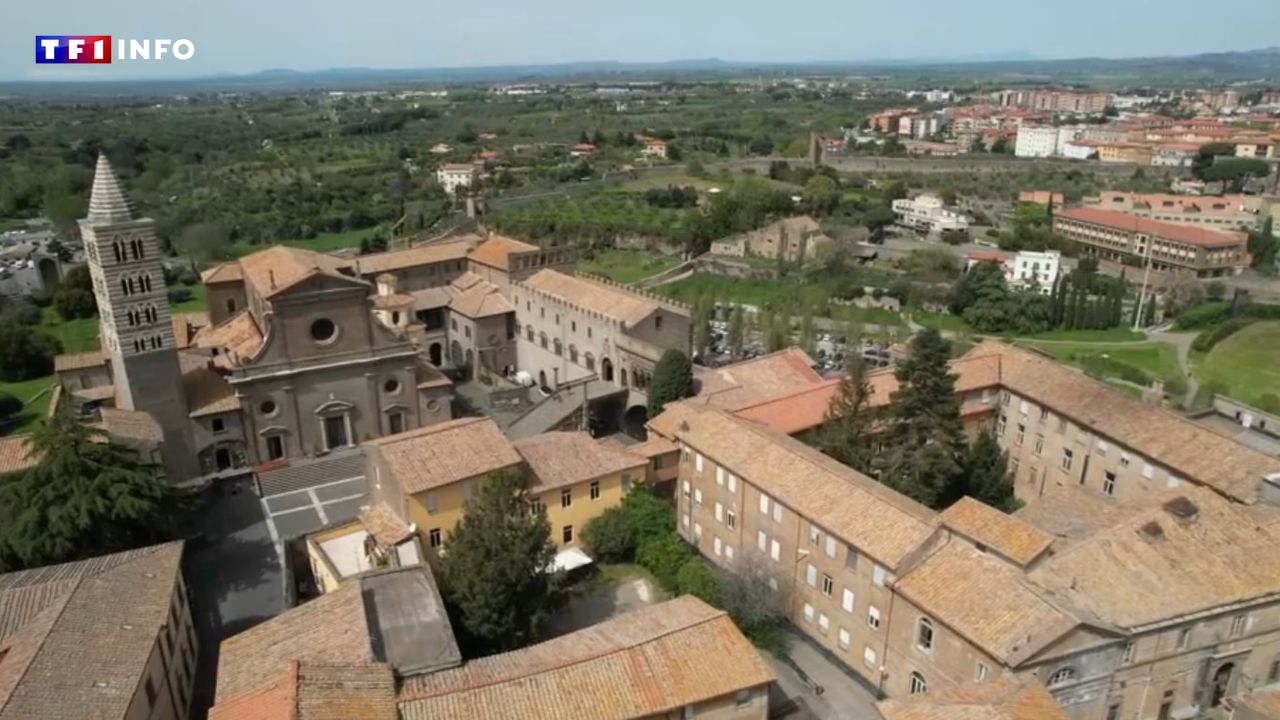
<point x="1072" y="512"/>
<point x="653" y="447"/>
<point x="1190" y="551"/>
<point x="330" y="629"/>
<point x="497" y="250"/>
<point x="1265" y="703"/>
<point x="734" y="386"/>
<point x="1007" y="535"/>
<point x="1002" y="699"/>
<point x="612" y="301"/>
<point x="238" y="338"/>
<point x="313" y="691"/>
<point x="1191" y="234"/>
<point x="186" y="326"/>
<point x="280" y="267"/>
<point x="1185" y="447"/>
<point x="131" y="425"/>
<point x="208" y="392"/>
<point x="429" y="298"/>
<point x="559" y="459"/>
<point x="448" y="452"/>
<point x="15" y="454"/>
<point x="394" y="300"/>
<point x="79" y="361"/>
<point x="879" y="522"/>
<point x="645" y="663"/>
<point x="385" y="525"/>
<point x="806" y="407"/>
<point x="1014" y="618"/>
<point x="84" y="633"/>
<point x="478" y="298"/>
<point x="988" y="256"/>
<point x="225" y="273"/>
<point x="417" y="256"/>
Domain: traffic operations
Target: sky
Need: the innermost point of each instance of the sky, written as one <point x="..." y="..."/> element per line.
<point x="245" y="36"/>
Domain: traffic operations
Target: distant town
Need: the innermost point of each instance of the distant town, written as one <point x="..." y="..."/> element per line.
<point x="775" y="395"/>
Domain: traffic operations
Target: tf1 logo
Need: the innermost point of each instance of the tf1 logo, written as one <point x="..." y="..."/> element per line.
<point x="96" y="49"/>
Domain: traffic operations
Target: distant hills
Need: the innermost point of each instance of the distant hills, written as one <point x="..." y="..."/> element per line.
<point x="1257" y="65"/>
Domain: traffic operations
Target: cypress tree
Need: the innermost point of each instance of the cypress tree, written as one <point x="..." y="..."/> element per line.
<point x="987" y="475"/>
<point x="672" y="380"/>
<point x="849" y="421"/>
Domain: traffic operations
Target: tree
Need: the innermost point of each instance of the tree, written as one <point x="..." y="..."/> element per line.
<point x="821" y="195"/>
<point x="204" y="243"/>
<point x="753" y="604"/>
<point x="924" y="436"/>
<point x="25" y="352"/>
<point x="649" y="517"/>
<point x="10" y="406"/>
<point x="664" y="556"/>
<point x="672" y="380"/>
<point x="986" y="474"/>
<point x="696" y="579"/>
<point x="86" y="495"/>
<point x="808" y="336"/>
<point x="1184" y="293"/>
<point x="702" y="312"/>
<point x="497" y="574"/>
<point x="850" y="421"/>
<point x="73" y="297"/>
<point x="609" y="537"/>
<point x="736" y="331"/>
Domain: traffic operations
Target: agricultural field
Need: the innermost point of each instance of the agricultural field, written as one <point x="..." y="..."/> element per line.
<point x="627" y="266"/>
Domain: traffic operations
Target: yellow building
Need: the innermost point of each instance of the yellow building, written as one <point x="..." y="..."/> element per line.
<point x="425" y="477"/>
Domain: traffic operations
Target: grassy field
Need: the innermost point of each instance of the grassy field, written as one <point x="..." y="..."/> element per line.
<point x="1154" y="361"/>
<point x="943" y="322"/>
<point x="867" y="316"/>
<point x="324" y="242"/>
<point x="627" y="266"/>
<point x="79" y="335"/>
<point x="199" y="301"/>
<point x="1247" y="363"/>
<point x="760" y="293"/>
<point x="1119" y="334"/>
<point x="35" y="395"/>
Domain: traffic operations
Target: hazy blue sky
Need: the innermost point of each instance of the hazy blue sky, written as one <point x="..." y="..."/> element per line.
<point x="248" y="35"/>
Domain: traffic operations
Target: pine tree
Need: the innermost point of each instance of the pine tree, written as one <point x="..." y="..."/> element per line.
<point x="987" y="475"/>
<point x="736" y="330"/>
<point x="85" y="496"/>
<point x="672" y="380"/>
<point x="925" y="439"/>
<point x="849" y="420"/>
<point x="495" y="575"/>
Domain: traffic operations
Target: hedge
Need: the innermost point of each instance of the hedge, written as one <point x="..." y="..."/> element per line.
<point x="1206" y="340"/>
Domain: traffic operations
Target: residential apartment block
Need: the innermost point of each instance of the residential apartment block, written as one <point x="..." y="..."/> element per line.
<point x="111" y="637"/>
<point x="928" y="214"/>
<point x="1169" y="248"/>
<point x="1055" y="101"/>
<point x="1216" y="212"/>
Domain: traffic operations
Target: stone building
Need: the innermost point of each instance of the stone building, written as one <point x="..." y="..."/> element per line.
<point x="792" y="240"/>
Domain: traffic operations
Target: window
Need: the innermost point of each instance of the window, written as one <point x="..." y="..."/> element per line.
<point x="824" y="623"/>
<point x="1023" y="406"/>
<point x="873" y="617"/>
<point x="719" y="547"/>
<point x="566" y="497"/>
<point x="1062" y="425"/>
<point x="1067" y="457"/>
<point x="719" y="512"/>
<point x="1061" y="676"/>
<point x="843" y="636"/>
<point x="595" y="490"/>
<point x="1130" y="649"/>
<point x="275" y="447"/>
<point x="918" y="685"/>
<point x="537" y="506"/>
<point x="1109" y="483"/>
<point x="728" y="552"/>
<point x="777" y="513"/>
<point x="762" y="541"/>
<point x="1000" y="423"/>
<point x="1103" y="447"/>
<point x="719" y="475"/>
<point x="742" y="698"/>
<point x="775" y="550"/>
<point x="828" y="585"/>
<point x="924" y="634"/>
<point x="323" y="330"/>
<point x="815" y="534"/>
<point x="626" y="480"/>
<point x="1113" y="712"/>
<point x="1184" y="638"/>
<point x="1022" y="434"/>
<point x="395" y="423"/>
<point x="764" y="504"/>
<point x="808" y="612"/>
<point x="686" y="488"/>
<point x="982" y="672"/>
<point x="869" y="657"/>
<point x="733" y="483"/>
<point x="831" y="546"/>
<point x="811" y="576"/>
<point x="1124" y="459"/>
<point x="567" y="534"/>
<point x="697" y="497"/>
<point x="697" y="530"/>
<point x="433" y="537"/>
<point x="1039" y="446"/>
<point x="851" y="557"/>
<point x="846" y="601"/>
<point x="1004" y="397"/>
<point x="1014" y="464"/>
<point x="1148" y="470"/>
<point x="878" y="575"/>
<point x="1274" y="674"/>
<point x="697" y="461"/>
<point x="684" y="519"/>
<point x="218" y="424"/>
<point x="1237" y="624"/>
<point x="730" y="519"/>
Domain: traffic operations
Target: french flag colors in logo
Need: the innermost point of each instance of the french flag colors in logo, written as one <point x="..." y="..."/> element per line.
<point x="73" y="49"/>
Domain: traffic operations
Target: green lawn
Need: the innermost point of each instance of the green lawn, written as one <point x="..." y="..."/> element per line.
<point x="35" y="395"/>
<point x="1247" y="363"/>
<point x="759" y="293"/>
<point x="1152" y="361"/>
<point x="867" y="316"/>
<point x="943" y="322"/>
<point x="198" y="301"/>
<point x="1118" y="334"/>
<point x="324" y="242"/>
<point x="79" y="335"/>
<point x="627" y="266"/>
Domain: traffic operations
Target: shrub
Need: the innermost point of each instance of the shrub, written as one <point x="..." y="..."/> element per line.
<point x="1206" y="340"/>
<point x="753" y="606"/>
<point x="1176" y="386"/>
<point x="608" y="537"/>
<point x="25" y="352"/>
<point x="663" y="556"/>
<point x="1203" y="316"/>
<point x="73" y="302"/>
<point x="9" y="406"/>
<point x="696" y="579"/>
<point x="188" y="277"/>
<point x="179" y="295"/>
<point x="649" y="517"/>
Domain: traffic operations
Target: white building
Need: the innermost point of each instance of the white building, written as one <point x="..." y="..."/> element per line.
<point x="1079" y="150"/>
<point x="918" y="126"/>
<point x="1028" y="268"/>
<point x="455" y="175"/>
<point x="1039" y="141"/>
<point x="927" y="214"/>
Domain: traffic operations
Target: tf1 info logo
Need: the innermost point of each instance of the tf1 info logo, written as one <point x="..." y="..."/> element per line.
<point x="96" y="49"/>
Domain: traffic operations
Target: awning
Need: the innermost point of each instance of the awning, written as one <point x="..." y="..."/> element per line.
<point x="571" y="559"/>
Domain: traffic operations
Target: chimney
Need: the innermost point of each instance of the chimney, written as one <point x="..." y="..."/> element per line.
<point x="271" y="274"/>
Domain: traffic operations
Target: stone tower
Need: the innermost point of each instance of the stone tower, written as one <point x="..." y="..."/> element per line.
<point x="126" y="264"/>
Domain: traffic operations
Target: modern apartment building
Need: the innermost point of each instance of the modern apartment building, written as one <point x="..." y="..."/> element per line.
<point x="111" y="637"/>
<point x="927" y="214"/>
<point x="1036" y="141"/>
<point x="1055" y="101"/>
<point x="1170" y="248"/>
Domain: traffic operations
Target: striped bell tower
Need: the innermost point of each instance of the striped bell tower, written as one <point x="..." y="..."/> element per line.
<point x="126" y="266"/>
